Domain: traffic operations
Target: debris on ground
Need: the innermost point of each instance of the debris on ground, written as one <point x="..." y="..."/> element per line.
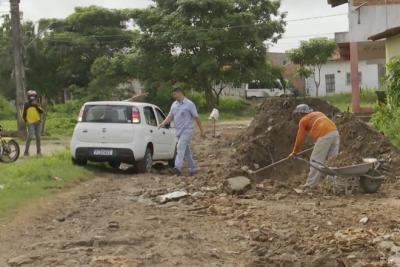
<point x="171" y="196"/>
<point x="236" y="185"/>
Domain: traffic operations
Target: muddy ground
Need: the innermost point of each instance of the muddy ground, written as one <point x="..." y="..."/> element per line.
<point x="115" y="220"/>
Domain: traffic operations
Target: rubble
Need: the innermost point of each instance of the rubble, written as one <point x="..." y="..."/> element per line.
<point x="238" y="184"/>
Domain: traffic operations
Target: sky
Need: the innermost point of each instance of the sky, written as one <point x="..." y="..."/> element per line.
<point x="330" y="19"/>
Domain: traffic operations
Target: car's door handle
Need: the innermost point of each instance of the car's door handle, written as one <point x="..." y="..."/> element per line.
<point x="85" y="131"/>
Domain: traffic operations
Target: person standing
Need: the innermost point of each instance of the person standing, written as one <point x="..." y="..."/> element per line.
<point x="32" y="116"/>
<point x="325" y="134"/>
<point x="183" y="113"/>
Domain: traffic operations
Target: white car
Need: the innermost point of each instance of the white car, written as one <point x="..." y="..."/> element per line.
<point x="122" y="132"/>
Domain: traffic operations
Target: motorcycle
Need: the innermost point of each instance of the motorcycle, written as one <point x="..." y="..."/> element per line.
<point x="9" y="148"/>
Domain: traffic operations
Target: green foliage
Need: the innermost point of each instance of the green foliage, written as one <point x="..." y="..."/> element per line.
<point x="311" y="55"/>
<point x="235" y="106"/>
<point x="33" y="178"/>
<point x="7" y="110"/>
<point x="218" y="41"/>
<point x="199" y="100"/>
<point x="387" y="118"/>
<point x="393" y="83"/>
<point x="343" y="100"/>
<point x="387" y="121"/>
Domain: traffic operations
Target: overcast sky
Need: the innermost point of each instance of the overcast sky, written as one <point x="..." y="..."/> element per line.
<point x="295" y="31"/>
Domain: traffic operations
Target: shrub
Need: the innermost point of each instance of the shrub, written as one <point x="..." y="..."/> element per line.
<point x="7" y="110"/>
<point x="233" y="105"/>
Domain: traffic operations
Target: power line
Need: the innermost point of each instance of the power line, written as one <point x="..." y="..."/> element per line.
<point x="318" y="17"/>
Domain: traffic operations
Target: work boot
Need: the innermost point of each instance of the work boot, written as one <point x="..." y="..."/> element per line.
<point x="175" y="172"/>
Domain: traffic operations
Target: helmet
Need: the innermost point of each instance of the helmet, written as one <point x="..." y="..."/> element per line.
<point x="32" y="94"/>
<point x="302" y="109"/>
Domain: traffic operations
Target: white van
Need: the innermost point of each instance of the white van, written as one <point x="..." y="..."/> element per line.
<point x="259" y="89"/>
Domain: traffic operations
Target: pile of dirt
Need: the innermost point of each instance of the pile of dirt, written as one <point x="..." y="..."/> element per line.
<point x="272" y="133"/>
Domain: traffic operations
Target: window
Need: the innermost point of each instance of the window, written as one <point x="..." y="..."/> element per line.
<point x="160" y="116"/>
<point x="330" y="83"/>
<point x="348" y="78"/>
<point x="106" y="113"/>
<point x="150" y="116"/>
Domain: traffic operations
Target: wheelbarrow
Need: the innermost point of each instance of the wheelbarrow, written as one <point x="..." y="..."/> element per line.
<point x="367" y="173"/>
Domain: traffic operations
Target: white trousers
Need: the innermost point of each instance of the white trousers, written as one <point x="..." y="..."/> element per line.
<point x="325" y="148"/>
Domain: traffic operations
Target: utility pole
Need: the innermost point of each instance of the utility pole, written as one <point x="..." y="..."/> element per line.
<point x="19" y="70"/>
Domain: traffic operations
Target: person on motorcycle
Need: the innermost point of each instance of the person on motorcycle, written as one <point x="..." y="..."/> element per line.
<point x="32" y="116"/>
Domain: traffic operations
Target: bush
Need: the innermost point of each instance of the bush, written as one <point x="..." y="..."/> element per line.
<point x="233" y="105"/>
<point x="7" y="110"/>
<point x="71" y="107"/>
<point x="387" y="121"/>
<point x="199" y="100"/>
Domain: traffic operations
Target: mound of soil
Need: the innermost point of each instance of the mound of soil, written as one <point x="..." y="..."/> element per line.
<point x="272" y="133"/>
<point x="270" y="137"/>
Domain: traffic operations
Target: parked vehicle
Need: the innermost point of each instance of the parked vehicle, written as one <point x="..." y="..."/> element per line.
<point x="9" y="148"/>
<point x="122" y="132"/>
<point x="259" y="89"/>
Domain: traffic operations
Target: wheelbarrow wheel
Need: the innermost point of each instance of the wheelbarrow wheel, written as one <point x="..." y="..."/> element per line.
<point x="369" y="185"/>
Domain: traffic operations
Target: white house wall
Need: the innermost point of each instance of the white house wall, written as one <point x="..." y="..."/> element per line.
<point x="369" y="79"/>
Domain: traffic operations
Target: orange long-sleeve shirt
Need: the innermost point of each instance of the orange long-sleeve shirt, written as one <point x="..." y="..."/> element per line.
<point x="317" y="124"/>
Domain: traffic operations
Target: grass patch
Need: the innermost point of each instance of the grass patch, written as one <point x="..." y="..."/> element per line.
<point x="343" y="101"/>
<point x="29" y="179"/>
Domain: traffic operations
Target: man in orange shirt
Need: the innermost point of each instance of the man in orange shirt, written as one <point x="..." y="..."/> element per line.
<point x="325" y="134"/>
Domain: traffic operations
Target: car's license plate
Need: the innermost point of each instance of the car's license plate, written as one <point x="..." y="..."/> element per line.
<point x="103" y="152"/>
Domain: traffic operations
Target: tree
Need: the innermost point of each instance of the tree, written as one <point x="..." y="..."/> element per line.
<point x="62" y="56"/>
<point x="204" y="43"/>
<point x="311" y="55"/>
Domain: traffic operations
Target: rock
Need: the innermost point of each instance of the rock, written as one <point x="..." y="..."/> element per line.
<point x="394" y="261"/>
<point x="364" y="220"/>
<point x="245" y="168"/>
<point x="198" y="194"/>
<point x="298" y="191"/>
<point x="386" y="245"/>
<point x="1" y="186"/>
<point x="172" y="196"/>
<point x="21" y="260"/>
<point x="237" y="184"/>
<point x="114" y="261"/>
<point x="256" y="166"/>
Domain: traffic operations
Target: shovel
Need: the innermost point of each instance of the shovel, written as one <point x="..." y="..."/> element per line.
<point x="279" y="162"/>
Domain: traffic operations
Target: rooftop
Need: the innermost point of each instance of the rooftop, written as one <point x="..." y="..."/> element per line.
<point x="334" y="3"/>
<point x="385" y="34"/>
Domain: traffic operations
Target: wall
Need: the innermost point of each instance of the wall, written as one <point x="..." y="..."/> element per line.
<point x="340" y="69"/>
<point x="392" y="47"/>
<point x="374" y="18"/>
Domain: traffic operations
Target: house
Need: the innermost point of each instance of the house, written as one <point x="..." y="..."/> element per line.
<point x="392" y="41"/>
<point x="367" y="18"/>
<point x="336" y="77"/>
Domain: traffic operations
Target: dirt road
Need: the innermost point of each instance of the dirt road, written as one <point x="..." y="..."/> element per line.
<point x="115" y="220"/>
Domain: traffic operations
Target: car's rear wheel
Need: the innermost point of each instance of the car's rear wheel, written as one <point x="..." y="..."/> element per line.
<point x="79" y="162"/>
<point x="115" y="164"/>
<point x="146" y="164"/>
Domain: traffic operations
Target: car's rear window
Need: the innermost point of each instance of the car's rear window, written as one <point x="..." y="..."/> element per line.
<point x="107" y="113"/>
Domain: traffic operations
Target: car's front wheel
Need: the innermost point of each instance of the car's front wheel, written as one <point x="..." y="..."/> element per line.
<point x="146" y="164"/>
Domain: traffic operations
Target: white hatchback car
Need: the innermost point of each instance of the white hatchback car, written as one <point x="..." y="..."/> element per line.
<point x="122" y="132"/>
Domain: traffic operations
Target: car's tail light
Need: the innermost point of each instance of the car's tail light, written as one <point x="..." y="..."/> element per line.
<point x="80" y="118"/>
<point x="135" y="115"/>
